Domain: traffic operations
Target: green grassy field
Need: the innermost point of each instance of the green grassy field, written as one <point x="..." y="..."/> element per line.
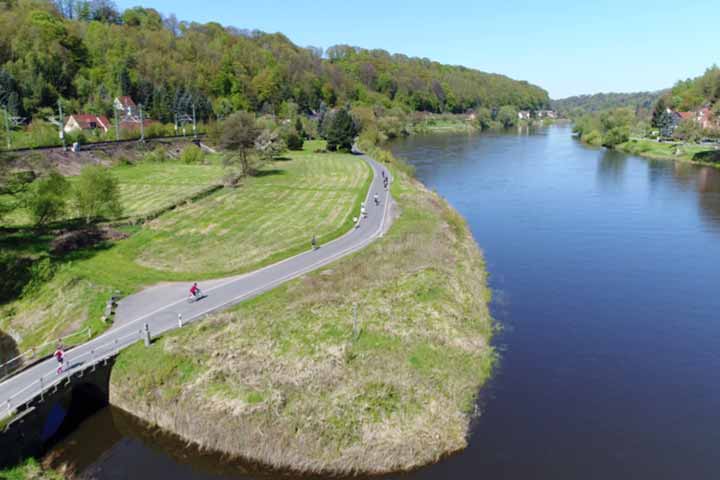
<point x="275" y="216"/>
<point x="281" y="379"/>
<point x="666" y="151"/>
<point x="445" y="125"/>
<point x="267" y="218"/>
<point x="148" y="187"/>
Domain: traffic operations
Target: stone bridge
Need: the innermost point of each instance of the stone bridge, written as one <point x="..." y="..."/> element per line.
<point x="55" y="412"/>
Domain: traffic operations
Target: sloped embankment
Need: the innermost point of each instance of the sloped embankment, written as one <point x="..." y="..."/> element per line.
<point x="283" y="381"/>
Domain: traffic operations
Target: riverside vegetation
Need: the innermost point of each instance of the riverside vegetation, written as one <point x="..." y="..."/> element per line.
<point x="282" y="379"/>
<point x="638" y="129"/>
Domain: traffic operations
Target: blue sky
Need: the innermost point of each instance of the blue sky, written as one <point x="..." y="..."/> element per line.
<point x="567" y="47"/>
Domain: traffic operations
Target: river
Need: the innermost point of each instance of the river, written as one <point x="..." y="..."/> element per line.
<point x="605" y="274"/>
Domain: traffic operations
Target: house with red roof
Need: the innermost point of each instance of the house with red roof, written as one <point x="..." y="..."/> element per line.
<point x="86" y="122"/>
<point x="126" y="106"/>
<point x="703" y="116"/>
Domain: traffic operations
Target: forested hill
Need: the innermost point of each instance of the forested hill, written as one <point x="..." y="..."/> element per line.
<point x="582" y="104"/>
<point x="696" y="92"/>
<point x="86" y="53"/>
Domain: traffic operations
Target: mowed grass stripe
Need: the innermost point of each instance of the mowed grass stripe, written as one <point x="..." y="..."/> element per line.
<point x="267" y="217"/>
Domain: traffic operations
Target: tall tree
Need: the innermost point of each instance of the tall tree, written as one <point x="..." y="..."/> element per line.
<point x="341" y="131"/>
<point x="658" y="111"/>
<point x="46" y="199"/>
<point x="96" y="194"/>
<point x="507" y="116"/>
<point x="238" y="134"/>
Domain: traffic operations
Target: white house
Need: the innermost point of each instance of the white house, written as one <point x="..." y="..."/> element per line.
<point x="83" y="121"/>
<point x="126" y="106"/>
<point x="524" y="115"/>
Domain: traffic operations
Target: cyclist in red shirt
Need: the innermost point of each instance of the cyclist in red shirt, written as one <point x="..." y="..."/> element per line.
<point x="60" y="357"/>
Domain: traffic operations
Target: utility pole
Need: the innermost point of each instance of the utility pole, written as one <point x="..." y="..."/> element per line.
<point x="7" y="129"/>
<point x="62" y="125"/>
<point x="117" y="125"/>
<point x="356" y="326"/>
<point x="142" y="125"/>
<point x="194" y="125"/>
<point x="176" y="124"/>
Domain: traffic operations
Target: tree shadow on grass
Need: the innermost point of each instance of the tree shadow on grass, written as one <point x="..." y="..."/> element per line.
<point x="270" y="172"/>
<point x="27" y="256"/>
<point x="8" y="348"/>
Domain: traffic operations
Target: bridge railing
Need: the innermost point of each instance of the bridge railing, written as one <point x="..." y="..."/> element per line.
<point x="11" y="366"/>
<point x="76" y="365"/>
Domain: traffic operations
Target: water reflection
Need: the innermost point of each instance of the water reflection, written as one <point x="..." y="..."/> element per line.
<point x="611" y="168"/>
<point x="113" y="445"/>
<point x="709" y="196"/>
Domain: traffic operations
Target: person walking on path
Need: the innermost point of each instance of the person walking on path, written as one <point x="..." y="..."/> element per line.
<point x="377" y="199"/>
<point x="313" y="242"/>
<point x="356" y="222"/>
<point x="60" y="357"/>
<point x="363" y="211"/>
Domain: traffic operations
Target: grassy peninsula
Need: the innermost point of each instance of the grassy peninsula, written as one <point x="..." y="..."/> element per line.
<point x="282" y="379"/>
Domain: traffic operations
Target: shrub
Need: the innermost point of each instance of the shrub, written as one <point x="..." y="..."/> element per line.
<point x="192" y="154"/>
<point x="157" y="130"/>
<point x="47" y="198"/>
<point x="593" y="137"/>
<point x="96" y="194"/>
<point x="615" y="136"/>
<point x="294" y="141"/>
<point x="156" y="156"/>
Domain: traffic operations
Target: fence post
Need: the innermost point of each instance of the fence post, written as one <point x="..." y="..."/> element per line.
<point x="355" y="322"/>
<point x="180" y="322"/>
<point x="146" y="334"/>
<point x="42" y="389"/>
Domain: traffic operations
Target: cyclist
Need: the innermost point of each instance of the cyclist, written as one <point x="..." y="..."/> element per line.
<point x="60" y="357"/>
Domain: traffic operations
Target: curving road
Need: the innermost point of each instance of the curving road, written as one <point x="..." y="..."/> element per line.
<point x="162" y="307"/>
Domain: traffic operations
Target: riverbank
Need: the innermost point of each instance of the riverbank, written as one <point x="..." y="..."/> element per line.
<point x="690" y="153"/>
<point x="697" y="154"/>
<point x="285" y="380"/>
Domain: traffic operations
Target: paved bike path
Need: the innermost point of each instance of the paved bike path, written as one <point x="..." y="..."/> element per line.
<point x="161" y="305"/>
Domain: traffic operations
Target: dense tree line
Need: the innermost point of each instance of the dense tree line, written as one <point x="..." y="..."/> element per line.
<point x="608" y="119"/>
<point x="85" y="53"/>
<point x="641" y="102"/>
<point x="693" y="93"/>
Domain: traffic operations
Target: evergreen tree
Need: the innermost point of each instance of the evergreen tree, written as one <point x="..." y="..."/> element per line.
<point x="299" y="129"/>
<point x="341" y="131"/>
<point x="658" y="112"/>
